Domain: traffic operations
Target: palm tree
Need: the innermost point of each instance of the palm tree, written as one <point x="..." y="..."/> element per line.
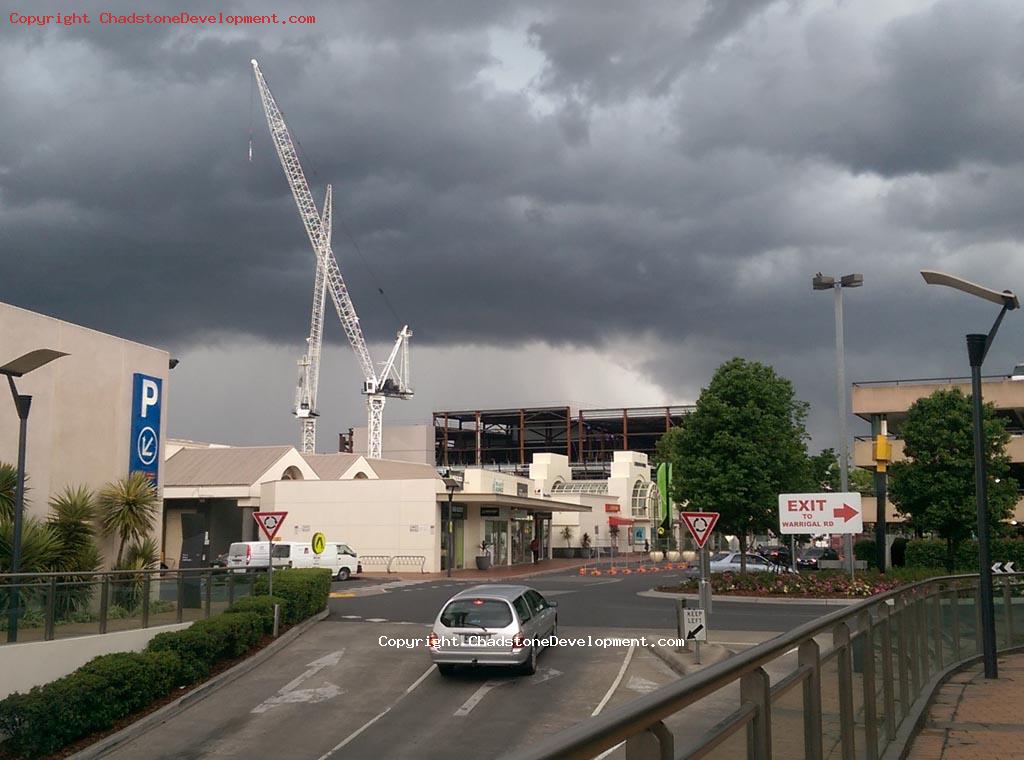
<point x="127" y="509"/>
<point x="71" y="520"/>
<point x="8" y="487"/>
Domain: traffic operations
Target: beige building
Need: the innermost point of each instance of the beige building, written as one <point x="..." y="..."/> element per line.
<point x="890" y="401"/>
<point x="85" y="424"/>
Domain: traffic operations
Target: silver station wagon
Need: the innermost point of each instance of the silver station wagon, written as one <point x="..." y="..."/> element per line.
<point x="493" y="625"/>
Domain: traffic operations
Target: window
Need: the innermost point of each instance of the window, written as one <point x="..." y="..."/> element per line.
<point x="719" y="556"/>
<point x="581" y="486"/>
<point x="523" y="608"/>
<point x="282" y="551"/>
<point x="644" y="500"/>
<point x="537" y="603"/>
<point x="292" y="473"/>
<point x="476" y="613"/>
<point x="735" y="559"/>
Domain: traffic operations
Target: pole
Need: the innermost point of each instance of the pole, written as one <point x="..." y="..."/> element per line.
<point x="270" y="567"/>
<point x="22" y="404"/>
<point x="844" y="476"/>
<point x="879" y="429"/>
<point x="792" y="553"/>
<point x="705" y="583"/>
<point x="977" y="345"/>
<point x="450" y="533"/>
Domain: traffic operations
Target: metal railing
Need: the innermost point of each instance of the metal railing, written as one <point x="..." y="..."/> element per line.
<point x="860" y="677"/>
<point x="64" y="605"/>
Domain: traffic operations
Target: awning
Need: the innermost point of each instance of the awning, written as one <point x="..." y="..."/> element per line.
<point x="613" y="520"/>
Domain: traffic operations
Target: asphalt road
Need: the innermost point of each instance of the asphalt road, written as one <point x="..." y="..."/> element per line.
<point x="336" y="692"/>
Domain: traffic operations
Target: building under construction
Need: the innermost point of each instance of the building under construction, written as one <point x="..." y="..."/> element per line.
<point x="508" y="438"/>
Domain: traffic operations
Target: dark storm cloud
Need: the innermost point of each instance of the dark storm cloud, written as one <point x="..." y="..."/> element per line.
<point x="668" y="171"/>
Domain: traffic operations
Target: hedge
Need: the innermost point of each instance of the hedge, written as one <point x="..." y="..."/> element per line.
<point x="93" y="698"/>
<point x="305" y="592"/>
<point x="262" y="606"/>
<point x="111" y="687"/>
<point x="865" y="550"/>
<point x="933" y="554"/>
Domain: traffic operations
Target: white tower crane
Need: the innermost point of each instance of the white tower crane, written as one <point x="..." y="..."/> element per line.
<point x="309" y="364"/>
<point x="393" y="378"/>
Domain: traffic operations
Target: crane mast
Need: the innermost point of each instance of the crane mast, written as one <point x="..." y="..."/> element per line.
<point x="309" y="364"/>
<point x="393" y="379"/>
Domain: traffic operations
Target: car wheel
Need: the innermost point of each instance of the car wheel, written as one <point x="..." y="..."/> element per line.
<point x="530" y="666"/>
<point x="343" y="573"/>
<point x="554" y="628"/>
<point x="445" y="669"/>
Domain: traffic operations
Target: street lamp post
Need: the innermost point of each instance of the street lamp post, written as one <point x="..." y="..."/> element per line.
<point x="451" y="485"/>
<point x="823" y="282"/>
<point x="21" y="366"/>
<point x="978" y="345"/>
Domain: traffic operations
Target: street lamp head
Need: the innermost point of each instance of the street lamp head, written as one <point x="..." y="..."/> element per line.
<point x="33" y="360"/>
<point x="1005" y="298"/>
<point x="823" y="282"/>
<point x="852" y="280"/>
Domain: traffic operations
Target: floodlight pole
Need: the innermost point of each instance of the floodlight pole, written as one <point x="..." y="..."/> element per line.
<point x="22" y="404"/>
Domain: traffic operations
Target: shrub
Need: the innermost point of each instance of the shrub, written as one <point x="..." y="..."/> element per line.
<point x="93" y="698"/>
<point x="207" y="642"/>
<point x="305" y="592"/>
<point x="866" y="550"/>
<point x="926" y="554"/>
<point x="262" y="606"/>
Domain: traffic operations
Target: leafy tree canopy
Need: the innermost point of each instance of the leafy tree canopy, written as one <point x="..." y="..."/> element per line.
<point x="934" y="487"/>
<point x="744" y="444"/>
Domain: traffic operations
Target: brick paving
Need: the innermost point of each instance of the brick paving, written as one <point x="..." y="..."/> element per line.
<point x="973" y="717"/>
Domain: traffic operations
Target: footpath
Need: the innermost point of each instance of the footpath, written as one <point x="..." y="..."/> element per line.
<point x="542" y="567"/>
<point x="975" y="718"/>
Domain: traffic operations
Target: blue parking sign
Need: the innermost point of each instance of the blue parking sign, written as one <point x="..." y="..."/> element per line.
<point x="144" y="446"/>
<point x="638" y="535"/>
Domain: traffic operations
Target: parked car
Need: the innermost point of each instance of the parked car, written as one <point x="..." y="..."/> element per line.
<point x="492" y="625"/>
<point x="809" y="559"/>
<point x="724" y="562"/>
<point x="221" y="560"/>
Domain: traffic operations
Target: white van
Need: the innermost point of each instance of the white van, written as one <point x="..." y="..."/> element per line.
<point x="341" y="563"/>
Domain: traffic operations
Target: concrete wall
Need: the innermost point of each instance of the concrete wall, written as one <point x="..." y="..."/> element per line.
<point x="894" y="398"/>
<point x="406" y="443"/>
<point x="39" y="662"/>
<point x="371" y="516"/>
<point x="79" y="425"/>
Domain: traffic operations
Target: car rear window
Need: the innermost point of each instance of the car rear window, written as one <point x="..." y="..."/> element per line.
<point x="719" y="556"/>
<point x="489" y="613"/>
<point x="282" y="551"/>
<point x="237" y="550"/>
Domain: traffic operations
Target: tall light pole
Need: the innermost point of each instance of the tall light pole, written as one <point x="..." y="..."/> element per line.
<point x="451" y="485"/>
<point x="21" y="366"/>
<point x="823" y="282"/>
<point x="978" y="345"/>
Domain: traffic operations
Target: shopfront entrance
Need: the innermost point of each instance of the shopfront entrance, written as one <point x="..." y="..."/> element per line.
<point x="496" y="536"/>
<point x="522" y="535"/>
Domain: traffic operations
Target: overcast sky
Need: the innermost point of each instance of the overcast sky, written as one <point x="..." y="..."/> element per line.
<point x="586" y="201"/>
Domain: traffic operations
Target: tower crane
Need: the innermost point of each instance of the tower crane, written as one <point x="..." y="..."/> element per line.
<point x="309" y="365"/>
<point x="393" y="378"/>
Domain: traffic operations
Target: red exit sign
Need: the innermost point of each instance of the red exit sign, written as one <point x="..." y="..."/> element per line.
<point x="611" y="507"/>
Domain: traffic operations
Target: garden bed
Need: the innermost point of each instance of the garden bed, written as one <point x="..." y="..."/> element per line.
<point x="822" y="584"/>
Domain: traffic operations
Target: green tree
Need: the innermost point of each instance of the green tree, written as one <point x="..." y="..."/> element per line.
<point x="823" y="475"/>
<point x="934" y="487"/>
<point x="72" y="516"/>
<point x="743" y="445"/>
<point x="8" y="488"/>
<point x="127" y="510"/>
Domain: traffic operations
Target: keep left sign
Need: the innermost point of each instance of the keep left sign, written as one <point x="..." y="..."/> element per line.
<point x="144" y="446"/>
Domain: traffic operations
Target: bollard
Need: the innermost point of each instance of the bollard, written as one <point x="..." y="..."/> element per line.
<point x="277" y="619"/>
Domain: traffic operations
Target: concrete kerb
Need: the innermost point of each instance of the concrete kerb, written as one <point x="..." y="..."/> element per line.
<point x="682" y="662"/>
<point x="754" y="599"/>
<point x="202" y="691"/>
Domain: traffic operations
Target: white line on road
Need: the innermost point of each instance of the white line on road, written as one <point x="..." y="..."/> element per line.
<point x="616" y="682"/>
<point x="376" y="717"/>
<point x="473" y="701"/>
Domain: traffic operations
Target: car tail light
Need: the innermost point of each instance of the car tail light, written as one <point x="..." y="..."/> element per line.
<point x="518" y="642"/>
<point x="433" y="641"/>
<point x="248" y="553"/>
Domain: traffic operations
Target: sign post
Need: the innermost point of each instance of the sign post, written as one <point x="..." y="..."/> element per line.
<point x="829" y="512"/>
<point x="700" y="525"/>
<point x="270" y="523"/>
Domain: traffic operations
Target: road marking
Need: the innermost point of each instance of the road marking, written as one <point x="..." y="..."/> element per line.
<point x="342" y="595"/>
<point x="642" y="685"/>
<point x="473" y="701"/>
<point x="376" y="717"/>
<point x="376" y="620"/>
<point x="353" y="617"/>
<point x="544" y="674"/>
<point x="291" y="694"/>
<point x="616" y="682"/>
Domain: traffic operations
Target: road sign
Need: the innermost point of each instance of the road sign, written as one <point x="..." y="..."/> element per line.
<point x="319" y="543"/>
<point x="1003" y="567"/>
<point x="820" y="513"/>
<point x="694" y="625"/>
<point x="144" y="444"/>
<point x="661" y="531"/>
<point x="700" y="525"/>
<point x="270" y="522"/>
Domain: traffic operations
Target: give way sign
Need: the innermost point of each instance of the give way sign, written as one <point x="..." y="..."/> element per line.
<point x="820" y="513"/>
<point x="700" y="525"/>
<point x="270" y="522"/>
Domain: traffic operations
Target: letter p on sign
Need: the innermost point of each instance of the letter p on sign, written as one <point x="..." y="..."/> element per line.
<point x="150" y="396"/>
